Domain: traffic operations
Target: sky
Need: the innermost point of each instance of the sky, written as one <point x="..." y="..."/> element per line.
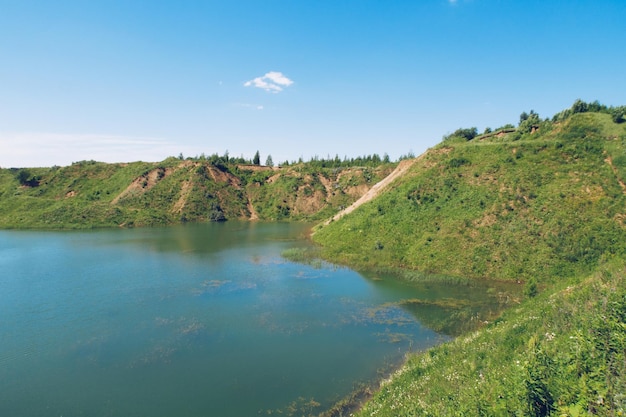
<point x="120" y="81"/>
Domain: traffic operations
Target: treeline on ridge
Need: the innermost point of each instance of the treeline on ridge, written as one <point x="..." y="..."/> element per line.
<point x="529" y="122"/>
<point x="372" y="160"/>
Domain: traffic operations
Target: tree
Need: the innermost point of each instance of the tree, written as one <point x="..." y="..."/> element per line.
<point x="269" y="162"/>
<point x="27" y="179"/>
<point x="579" y="106"/>
<point x="529" y="122"/>
<point x="523" y="117"/>
<point x="618" y="114"/>
<point x="466" y="133"/>
<point x="257" y="159"/>
<point x="23" y="176"/>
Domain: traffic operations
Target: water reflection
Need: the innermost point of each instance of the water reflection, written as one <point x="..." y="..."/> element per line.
<point x="207" y="238"/>
<point x="449" y="308"/>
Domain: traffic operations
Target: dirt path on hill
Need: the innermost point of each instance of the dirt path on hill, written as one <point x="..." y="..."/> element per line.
<point x="253" y="214"/>
<point x="185" y="190"/>
<point x="373" y="192"/>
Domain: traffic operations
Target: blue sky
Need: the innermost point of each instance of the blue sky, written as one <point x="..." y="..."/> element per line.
<point x="120" y="81"/>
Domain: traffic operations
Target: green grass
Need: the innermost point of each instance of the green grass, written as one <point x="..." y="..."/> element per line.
<point x="562" y="353"/>
<point x="90" y="194"/>
<point x="543" y="207"/>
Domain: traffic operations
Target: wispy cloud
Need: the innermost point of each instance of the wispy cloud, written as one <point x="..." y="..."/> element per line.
<point x="249" y="106"/>
<point x="273" y="82"/>
<point x="32" y="149"/>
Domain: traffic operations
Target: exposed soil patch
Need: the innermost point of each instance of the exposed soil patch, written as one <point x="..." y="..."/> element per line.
<point x="309" y="204"/>
<point x="373" y="192"/>
<point x="185" y="190"/>
<point x="273" y="178"/>
<point x="224" y="177"/>
<point x="143" y="183"/>
<point x="253" y="214"/>
<point x="327" y="185"/>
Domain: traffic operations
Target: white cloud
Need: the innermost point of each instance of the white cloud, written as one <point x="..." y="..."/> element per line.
<point x="249" y="106"/>
<point x="39" y="149"/>
<point x="273" y="82"/>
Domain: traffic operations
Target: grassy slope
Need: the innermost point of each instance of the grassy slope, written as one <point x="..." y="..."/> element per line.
<point x="562" y="353"/>
<point x="91" y="194"/>
<point x="547" y="206"/>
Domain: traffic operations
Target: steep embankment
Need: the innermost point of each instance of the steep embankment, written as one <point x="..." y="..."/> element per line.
<point x="373" y="192"/>
<point x="91" y="194"/>
<point x="545" y="205"/>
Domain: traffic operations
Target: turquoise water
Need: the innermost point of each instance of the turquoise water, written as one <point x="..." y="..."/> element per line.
<point x="196" y="320"/>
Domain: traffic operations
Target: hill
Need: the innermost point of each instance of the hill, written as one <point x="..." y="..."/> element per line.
<point x="545" y="205"/>
<point x="91" y="194"/>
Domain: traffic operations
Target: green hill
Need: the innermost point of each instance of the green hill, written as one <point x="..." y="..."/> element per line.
<point x="91" y="194"/>
<point x="544" y="205"/>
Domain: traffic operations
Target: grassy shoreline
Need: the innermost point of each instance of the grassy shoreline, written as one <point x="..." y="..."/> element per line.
<point x="562" y="353"/>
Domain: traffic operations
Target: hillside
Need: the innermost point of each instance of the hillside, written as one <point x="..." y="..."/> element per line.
<point x="92" y="194"/>
<point x="545" y="205"/>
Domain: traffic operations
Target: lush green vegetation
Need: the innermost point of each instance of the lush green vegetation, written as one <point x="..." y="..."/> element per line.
<point x="91" y="194"/>
<point x="544" y="203"/>
<point x="561" y="353"/>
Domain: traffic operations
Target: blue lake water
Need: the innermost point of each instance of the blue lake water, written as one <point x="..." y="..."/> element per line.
<point x="195" y="320"/>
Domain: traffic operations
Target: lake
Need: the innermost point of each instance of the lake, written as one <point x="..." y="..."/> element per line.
<point x="195" y="320"/>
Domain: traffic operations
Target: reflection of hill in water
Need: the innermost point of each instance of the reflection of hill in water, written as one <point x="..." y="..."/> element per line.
<point x="450" y="307"/>
<point x="454" y="317"/>
<point x="208" y="238"/>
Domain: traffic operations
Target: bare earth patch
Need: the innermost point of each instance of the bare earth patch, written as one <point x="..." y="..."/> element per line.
<point x="373" y="192"/>
<point x="143" y="183"/>
<point x="185" y="189"/>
